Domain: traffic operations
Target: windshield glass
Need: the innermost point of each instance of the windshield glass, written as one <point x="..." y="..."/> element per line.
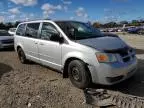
<point x="81" y="30"/>
<point x="4" y="33"/>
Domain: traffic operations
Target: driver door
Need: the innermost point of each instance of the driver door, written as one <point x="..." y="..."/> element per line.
<point x="49" y="46"/>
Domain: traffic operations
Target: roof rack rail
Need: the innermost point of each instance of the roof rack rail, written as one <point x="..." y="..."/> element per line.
<point x="35" y="20"/>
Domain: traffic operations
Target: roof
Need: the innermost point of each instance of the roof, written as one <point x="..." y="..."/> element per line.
<point x="47" y="20"/>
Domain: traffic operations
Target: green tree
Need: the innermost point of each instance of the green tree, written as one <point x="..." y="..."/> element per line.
<point x="97" y="25"/>
<point x="135" y="23"/>
<point x="2" y="26"/>
<point x="123" y="22"/>
<point x="16" y="23"/>
<point x="110" y="25"/>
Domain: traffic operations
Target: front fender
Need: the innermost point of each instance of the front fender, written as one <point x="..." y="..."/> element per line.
<point x="18" y="44"/>
<point x="87" y="58"/>
<point x="77" y="55"/>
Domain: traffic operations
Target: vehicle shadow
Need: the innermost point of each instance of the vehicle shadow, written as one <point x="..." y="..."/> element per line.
<point x="139" y="51"/>
<point x="7" y="49"/>
<point x="132" y="86"/>
<point x="4" y="68"/>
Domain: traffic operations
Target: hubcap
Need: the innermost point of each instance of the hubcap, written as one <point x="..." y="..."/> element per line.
<point x="76" y="74"/>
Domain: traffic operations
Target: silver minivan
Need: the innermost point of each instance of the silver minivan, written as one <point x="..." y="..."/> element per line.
<point x="76" y="49"/>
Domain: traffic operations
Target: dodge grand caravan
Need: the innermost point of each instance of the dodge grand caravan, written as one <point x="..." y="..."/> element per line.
<point x="76" y="49"/>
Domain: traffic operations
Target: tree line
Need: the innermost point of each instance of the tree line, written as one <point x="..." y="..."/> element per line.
<point x="8" y="25"/>
<point x="119" y="24"/>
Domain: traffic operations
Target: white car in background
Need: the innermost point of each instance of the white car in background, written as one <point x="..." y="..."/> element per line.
<point x="12" y="31"/>
<point x="6" y="40"/>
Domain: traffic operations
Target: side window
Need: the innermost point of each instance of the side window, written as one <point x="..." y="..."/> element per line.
<point x="49" y="32"/>
<point x="21" y="30"/>
<point x="32" y="30"/>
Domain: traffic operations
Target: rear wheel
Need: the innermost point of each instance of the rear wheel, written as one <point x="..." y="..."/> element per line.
<point x="22" y="56"/>
<point x="79" y="74"/>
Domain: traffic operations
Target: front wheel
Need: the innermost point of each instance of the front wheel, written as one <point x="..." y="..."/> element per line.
<point x="22" y="56"/>
<point x="79" y="74"/>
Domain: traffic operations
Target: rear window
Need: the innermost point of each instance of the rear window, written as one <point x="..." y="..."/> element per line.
<point x="21" y="30"/>
<point x="32" y="30"/>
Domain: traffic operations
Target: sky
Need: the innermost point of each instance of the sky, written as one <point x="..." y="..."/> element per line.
<point x="82" y="10"/>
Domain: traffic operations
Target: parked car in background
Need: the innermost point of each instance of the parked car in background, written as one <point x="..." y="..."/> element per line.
<point x="12" y="31"/>
<point x="125" y="29"/>
<point x="81" y="52"/>
<point x="133" y="30"/>
<point x="113" y="30"/>
<point x="119" y="30"/>
<point x="6" y="39"/>
<point x="141" y="32"/>
<point x="104" y="30"/>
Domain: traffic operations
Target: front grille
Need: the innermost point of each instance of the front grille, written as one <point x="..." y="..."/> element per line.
<point x="9" y="41"/>
<point x="126" y="59"/>
<point x="125" y="53"/>
<point x="114" y="79"/>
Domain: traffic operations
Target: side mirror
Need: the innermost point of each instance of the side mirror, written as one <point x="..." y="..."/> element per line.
<point x="61" y="40"/>
<point x="57" y="38"/>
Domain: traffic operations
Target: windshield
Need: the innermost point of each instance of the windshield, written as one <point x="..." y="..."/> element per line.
<point x="4" y="33"/>
<point x="81" y="30"/>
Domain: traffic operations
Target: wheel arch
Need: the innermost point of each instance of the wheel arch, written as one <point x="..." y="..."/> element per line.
<point x="19" y="46"/>
<point x="68" y="60"/>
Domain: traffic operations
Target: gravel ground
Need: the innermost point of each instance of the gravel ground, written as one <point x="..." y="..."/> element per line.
<point x="35" y="86"/>
<point x="23" y="85"/>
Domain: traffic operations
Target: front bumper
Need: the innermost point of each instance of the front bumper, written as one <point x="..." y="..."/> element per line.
<point x="109" y="74"/>
<point x="3" y="46"/>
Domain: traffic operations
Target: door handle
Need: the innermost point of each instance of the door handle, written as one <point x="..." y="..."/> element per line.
<point x="36" y="43"/>
<point x="41" y="44"/>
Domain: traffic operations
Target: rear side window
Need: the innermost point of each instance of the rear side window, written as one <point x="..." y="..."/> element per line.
<point x="32" y="30"/>
<point x="21" y="30"/>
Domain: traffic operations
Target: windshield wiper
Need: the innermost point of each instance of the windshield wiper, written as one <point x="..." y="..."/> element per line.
<point x="88" y="37"/>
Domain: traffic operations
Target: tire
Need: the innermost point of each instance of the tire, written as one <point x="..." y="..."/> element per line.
<point x="22" y="56"/>
<point x="139" y="32"/>
<point x="79" y="74"/>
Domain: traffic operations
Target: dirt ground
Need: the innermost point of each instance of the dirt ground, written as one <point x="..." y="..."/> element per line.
<point x="35" y="86"/>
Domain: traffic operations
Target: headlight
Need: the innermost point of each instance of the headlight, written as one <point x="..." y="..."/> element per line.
<point x="106" y="57"/>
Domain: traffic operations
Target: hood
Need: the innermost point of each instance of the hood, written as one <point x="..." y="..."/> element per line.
<point x="104" y="43"/>
<point x="6" y="37"/>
